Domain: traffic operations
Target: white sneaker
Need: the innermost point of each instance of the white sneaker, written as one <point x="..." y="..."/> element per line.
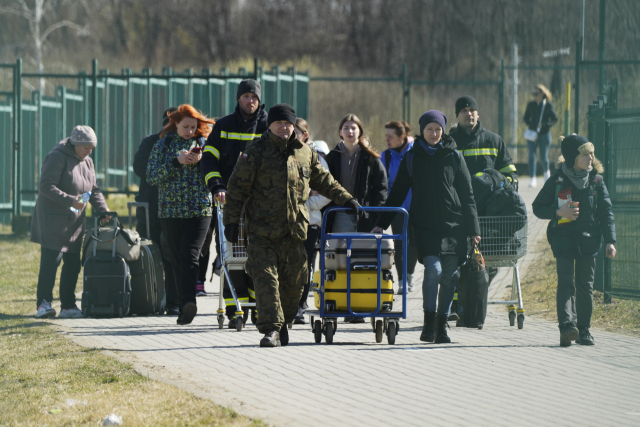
<point x="533" y="183"/>
<point x="410" y="287"/>
<point x="45" y="310"/>
<point x="400" y="289"/>
<point x="547" y="174"/>
<point x="71" y="313"/>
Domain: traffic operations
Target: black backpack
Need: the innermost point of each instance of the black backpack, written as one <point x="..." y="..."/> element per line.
<point x="484" y="185"/>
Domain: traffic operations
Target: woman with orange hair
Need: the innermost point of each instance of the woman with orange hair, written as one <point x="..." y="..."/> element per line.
<point x="184" y="201"/>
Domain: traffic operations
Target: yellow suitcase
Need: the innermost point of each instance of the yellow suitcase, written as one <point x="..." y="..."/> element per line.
<point x="364" y="287"/>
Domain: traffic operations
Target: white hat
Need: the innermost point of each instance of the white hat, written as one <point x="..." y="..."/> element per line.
<point x="321" y="147"/>
<point x="83" y="135"/>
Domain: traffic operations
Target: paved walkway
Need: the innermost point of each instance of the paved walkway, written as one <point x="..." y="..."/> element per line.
<point x="499" y="376"/>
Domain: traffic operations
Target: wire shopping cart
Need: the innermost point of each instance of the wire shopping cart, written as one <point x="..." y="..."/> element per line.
<point x="388" y="322"/>
<point x="233" y="256"/>
<point x="504" y="242"/>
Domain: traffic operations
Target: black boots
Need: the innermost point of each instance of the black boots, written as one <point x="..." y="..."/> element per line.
<point x="568" y="333"/>
<point x="429" y="326"/>
<point x="441" y="334"/>
<point x="585" y="337"/>
<point x="270" y="339"/>
<point x="284" y="335"/>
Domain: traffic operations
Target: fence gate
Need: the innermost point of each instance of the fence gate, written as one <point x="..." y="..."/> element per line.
<point x="615" y="134"/>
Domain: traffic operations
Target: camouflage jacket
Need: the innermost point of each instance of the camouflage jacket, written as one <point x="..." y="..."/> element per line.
<point x="273" y="177"/>
<point x="182" y="192"/>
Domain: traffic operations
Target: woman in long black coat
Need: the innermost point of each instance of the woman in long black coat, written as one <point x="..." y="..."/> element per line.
<point x="441" y="217"/>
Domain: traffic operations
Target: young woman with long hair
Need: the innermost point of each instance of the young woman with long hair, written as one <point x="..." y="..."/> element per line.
<point x="357" y="167"/>
<point x="184" y="201"/>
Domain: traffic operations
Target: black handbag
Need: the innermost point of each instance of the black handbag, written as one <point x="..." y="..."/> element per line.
<point x="474" y="289"/>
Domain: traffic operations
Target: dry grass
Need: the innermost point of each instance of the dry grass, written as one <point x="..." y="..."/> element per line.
<point x="539" y="293"/>
<point x="41" y="369"/>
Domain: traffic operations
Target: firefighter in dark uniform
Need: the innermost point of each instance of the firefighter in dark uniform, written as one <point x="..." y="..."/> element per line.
<point x="481" y="149"/>
<point x="227" y="140"/>
<point x="273" y="177"/>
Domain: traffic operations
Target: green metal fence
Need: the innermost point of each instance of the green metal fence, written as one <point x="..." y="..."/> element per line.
<point x="615" y="133"/>
<point x="122" y="109"/>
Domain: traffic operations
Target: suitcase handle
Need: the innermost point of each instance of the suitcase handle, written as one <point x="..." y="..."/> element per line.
<point x="144" y="205"/>
<point x="113" y="215"/>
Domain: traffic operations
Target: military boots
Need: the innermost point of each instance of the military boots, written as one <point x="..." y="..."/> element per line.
<point x="271" y="339"/>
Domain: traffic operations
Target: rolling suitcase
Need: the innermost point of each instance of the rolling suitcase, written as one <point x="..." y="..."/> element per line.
<point x="363" y="254"/>
<point x="148" y="294"/>
<point x="106" y="279"/>
<point x="364" y="290"/>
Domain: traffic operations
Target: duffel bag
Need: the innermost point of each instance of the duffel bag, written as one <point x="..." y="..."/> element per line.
<point x="127" y="242"/>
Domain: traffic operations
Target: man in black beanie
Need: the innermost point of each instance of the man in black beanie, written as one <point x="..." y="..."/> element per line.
<point x="481" y="149"/>
<point x="273" y="177"/>
<point x="226" y="141"/>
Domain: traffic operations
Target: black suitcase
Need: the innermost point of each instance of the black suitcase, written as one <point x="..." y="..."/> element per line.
<point x="148" y="294"/>
<point x="106" y="280"/>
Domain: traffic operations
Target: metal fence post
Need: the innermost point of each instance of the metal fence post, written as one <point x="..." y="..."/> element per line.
<point x="404" y="92"/>
<point x="94" y="90"/>
<point x="256" y="69"/>
<point x="501" y="101"/>
<point x="129" y="150"/>
<point x="17" y="142"/>
<point x="567" y="115"/>
<point x="576" y="126"/>
<point x="149" y="130"/>
<point x="278" y="84"/>
<point x="294" y="88"/>
<point x="603" y="24"/>
<point x="608" y="143"/>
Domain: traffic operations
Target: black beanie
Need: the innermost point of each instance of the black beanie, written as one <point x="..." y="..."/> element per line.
<point x="249" y="86"/>
<point x="165" y="115"/>
<point x="570" y="147"/>
<point x="281" y="112"/>
<point x="464" y="102"/>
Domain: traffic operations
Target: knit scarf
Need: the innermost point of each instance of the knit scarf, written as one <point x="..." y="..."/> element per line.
<point x="428" y="148"/>
<point x="579" y="178"/>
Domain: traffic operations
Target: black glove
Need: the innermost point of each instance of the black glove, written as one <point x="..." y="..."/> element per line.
<point x="355" y="206"/>
<point x="232" y="232"/>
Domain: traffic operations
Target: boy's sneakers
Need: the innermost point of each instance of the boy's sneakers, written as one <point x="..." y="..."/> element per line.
<point x="568" y="333"/>
<point x="200" y="290"/>
<point x="45" y="310"/>
<point x="70" y="313"/>
<point x="299" y="319"/>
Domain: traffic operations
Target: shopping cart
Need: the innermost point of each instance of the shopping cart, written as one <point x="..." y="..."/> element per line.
<point x="389" y="322"/>
<point x="504" y="242"/>
<point x="233" y="256"/>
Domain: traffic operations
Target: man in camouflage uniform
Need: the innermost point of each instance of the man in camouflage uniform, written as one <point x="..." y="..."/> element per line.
<point x="273" y="177"/>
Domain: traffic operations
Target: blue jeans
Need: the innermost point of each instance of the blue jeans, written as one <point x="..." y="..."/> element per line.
<point x="543" y="142"/>
<point x="442" y="270"/>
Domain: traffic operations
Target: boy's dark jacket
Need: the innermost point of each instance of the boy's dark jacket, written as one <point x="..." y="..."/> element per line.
<point x="583" y="237"/>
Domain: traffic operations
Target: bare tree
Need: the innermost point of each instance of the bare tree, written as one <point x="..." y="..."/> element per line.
<point x="35" y="17"/>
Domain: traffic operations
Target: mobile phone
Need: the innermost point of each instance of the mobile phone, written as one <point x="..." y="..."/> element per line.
<point x="196" y="150"/>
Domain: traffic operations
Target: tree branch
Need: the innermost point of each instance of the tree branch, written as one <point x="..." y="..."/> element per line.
<point x="79" y="29"/>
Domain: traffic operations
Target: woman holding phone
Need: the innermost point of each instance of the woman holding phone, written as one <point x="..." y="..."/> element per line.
<point x="184" y="201"/>
<point x="577" y="203"/>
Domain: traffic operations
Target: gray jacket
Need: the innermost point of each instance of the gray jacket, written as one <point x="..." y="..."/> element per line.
<point x="63" y="179"/>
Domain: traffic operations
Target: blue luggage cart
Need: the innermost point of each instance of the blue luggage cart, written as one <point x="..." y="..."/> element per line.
<point x="388" y="322"/>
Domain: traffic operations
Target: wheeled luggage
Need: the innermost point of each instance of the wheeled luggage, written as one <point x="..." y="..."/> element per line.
<point x="106" y="279"/>
<point x="147" y="273"/>
<point x="364" y="290"/>
<point x="363" y="254"/>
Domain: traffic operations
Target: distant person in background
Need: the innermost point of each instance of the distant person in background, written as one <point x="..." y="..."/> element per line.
<point x="184" y="201"/>
<point x="397" y="138"/>
<point x="314" y="205"/>
<point x="59" y="218"/>
<point x="577" y="203"/>
<point x="540" y="116"/>
<point x="149" y="193"/>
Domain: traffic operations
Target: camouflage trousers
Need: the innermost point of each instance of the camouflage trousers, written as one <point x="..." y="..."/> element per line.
<point x="279" y="271"/>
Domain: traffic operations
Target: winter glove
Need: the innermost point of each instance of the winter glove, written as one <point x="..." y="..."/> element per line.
<point x="232" y="232"/>
<point x="355" y="206"/>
